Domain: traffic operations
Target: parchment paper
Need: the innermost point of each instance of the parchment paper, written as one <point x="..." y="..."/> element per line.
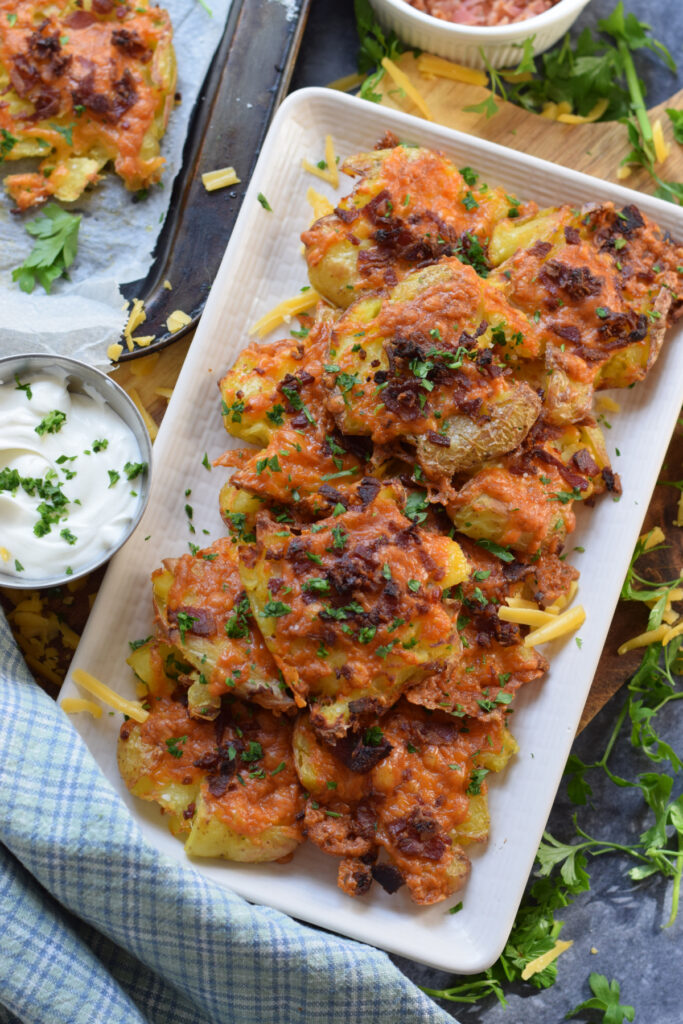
<point x="81" y="317"/>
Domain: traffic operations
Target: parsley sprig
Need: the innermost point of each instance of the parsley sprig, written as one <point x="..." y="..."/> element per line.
<point x="56" y="234"/>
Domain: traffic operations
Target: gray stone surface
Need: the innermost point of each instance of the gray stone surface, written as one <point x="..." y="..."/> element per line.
<point x="622" y="921"/>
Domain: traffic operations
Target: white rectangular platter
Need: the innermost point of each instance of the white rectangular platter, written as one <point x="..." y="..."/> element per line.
<point x="263" y="264"/>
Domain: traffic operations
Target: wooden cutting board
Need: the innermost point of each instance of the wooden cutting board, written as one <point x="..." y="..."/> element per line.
<point x="592" y="148"/>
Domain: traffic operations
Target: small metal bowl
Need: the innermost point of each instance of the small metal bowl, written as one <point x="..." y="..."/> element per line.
<point x="78" y="375"/>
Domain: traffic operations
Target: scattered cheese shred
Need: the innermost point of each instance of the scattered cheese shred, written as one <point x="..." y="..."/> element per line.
<point x="177" y="320"/>
<point x="72" y="706"/>
<point x="221" y="178"/>
<point x="320" y="172"/>
<point x="593" y="115"/>
<point x="560" y="624"/>
<point x="403" y="82"/>
<point x="674" y="595"/>
<point x="519" y="602"/>
<point x="167" y="285"/>
<point x="331" y="161"/>
<point x="143" y="367"/>
<point x="670" y="616"/>
<point x="543" y="961"/>
<point x="564" y="599"/>
<point x="564" y="107"/>
<point x="152" y="428"/>
<point x="320" y="204"/>
<point x="606" y="404"/>
<point x="678" y="521"/>
<point x="525" y="616"/>
<point x="549" y="111"/>
<point x="136" y="317"/>
<point x="284" y="311"/>
<point x="662" y="147"/>
<point x="652" y="538"/>
<point x="623" y="173"/>
<point x="163" y="392"/>
<point x="114" y="351"/>
<point x="671" y="633"/>
<point x="346" y="83"/>
<point x="4" y="554"/>
<point x="652" y="636"/>
<point x="99" y="689"/>
<point x="429" y="65"/>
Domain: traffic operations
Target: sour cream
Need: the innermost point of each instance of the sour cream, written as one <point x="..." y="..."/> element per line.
<point x="70" y="477"/>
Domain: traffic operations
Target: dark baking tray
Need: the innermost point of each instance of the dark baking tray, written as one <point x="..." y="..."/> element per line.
<point x="248" y="77"/>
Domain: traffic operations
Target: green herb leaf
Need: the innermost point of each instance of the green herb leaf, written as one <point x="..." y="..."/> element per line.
<point x="56" y="232"/>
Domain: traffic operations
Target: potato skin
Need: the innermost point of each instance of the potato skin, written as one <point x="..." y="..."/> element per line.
<point x="230" y="787"/>
<point x="412" y="800"/>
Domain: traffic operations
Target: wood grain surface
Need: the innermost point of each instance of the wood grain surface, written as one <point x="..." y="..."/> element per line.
<point x="593" y="148"/>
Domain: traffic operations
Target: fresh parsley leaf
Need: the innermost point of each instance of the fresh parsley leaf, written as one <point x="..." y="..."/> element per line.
<point x="606" y="996"/>
<point x="56" y="232"/>
<point x="52" y="423"/>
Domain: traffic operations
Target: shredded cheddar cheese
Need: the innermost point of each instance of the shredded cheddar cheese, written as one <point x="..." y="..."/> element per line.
<point x="652" y="538"/>
<point x="678" y="521"/>
<point x="163" y="392"/>
<point x="143" y="367"/>
<point x="114" y="352"/>
<point x="221" y="178"/>
<point x="4" y="554"/>
<point x="331" y="161"/>
<point x="559" y="626"/>
<point x="322" y="207"/>
<point x="593" y="115"/>
<point x="662" y="147"/>
<point x="430" y="66"/>
<point x="525" y="616"/>
<point x="549" y="111"/>
<point x="671" y="633"/>
<point x="606" y="404"/>
<point x="564" y="599"/>
<point x="152" y="428"/>
<point x="284" y="311"/>
<point x="346" y="83"/>
<point x="543" y="961"/>
<point x="136" y="317"/>
<point x="623" y="173"/>
<point x="167" y="285"/>
<point x="99" y="689"/>
<point x="652" y="636"/>
<point x="177" y="320"/>
<point x="73" y="705"/>
<point x="519" y="602"/>
<point x="403" y="82"/>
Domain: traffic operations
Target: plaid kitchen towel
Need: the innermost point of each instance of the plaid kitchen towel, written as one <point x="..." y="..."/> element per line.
<point x="97" y="927"/>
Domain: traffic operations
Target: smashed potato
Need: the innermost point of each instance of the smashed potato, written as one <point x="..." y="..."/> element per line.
<point x="83" y="85"/>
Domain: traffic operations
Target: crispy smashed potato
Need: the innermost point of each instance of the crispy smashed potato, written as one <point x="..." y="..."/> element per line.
<point x="340" y="667"/>
<point x="83" y="84"/>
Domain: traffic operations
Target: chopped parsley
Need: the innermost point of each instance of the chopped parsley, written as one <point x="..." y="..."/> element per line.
<point x="185" y="622"/>
<point x="52" y="423"/>
<point x="276" y="609"/>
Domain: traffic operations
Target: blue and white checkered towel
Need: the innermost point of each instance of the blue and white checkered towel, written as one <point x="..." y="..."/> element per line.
<point x="96" y="927"/>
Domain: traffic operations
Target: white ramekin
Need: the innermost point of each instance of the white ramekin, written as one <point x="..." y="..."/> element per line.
<point x="501" y="46"/>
